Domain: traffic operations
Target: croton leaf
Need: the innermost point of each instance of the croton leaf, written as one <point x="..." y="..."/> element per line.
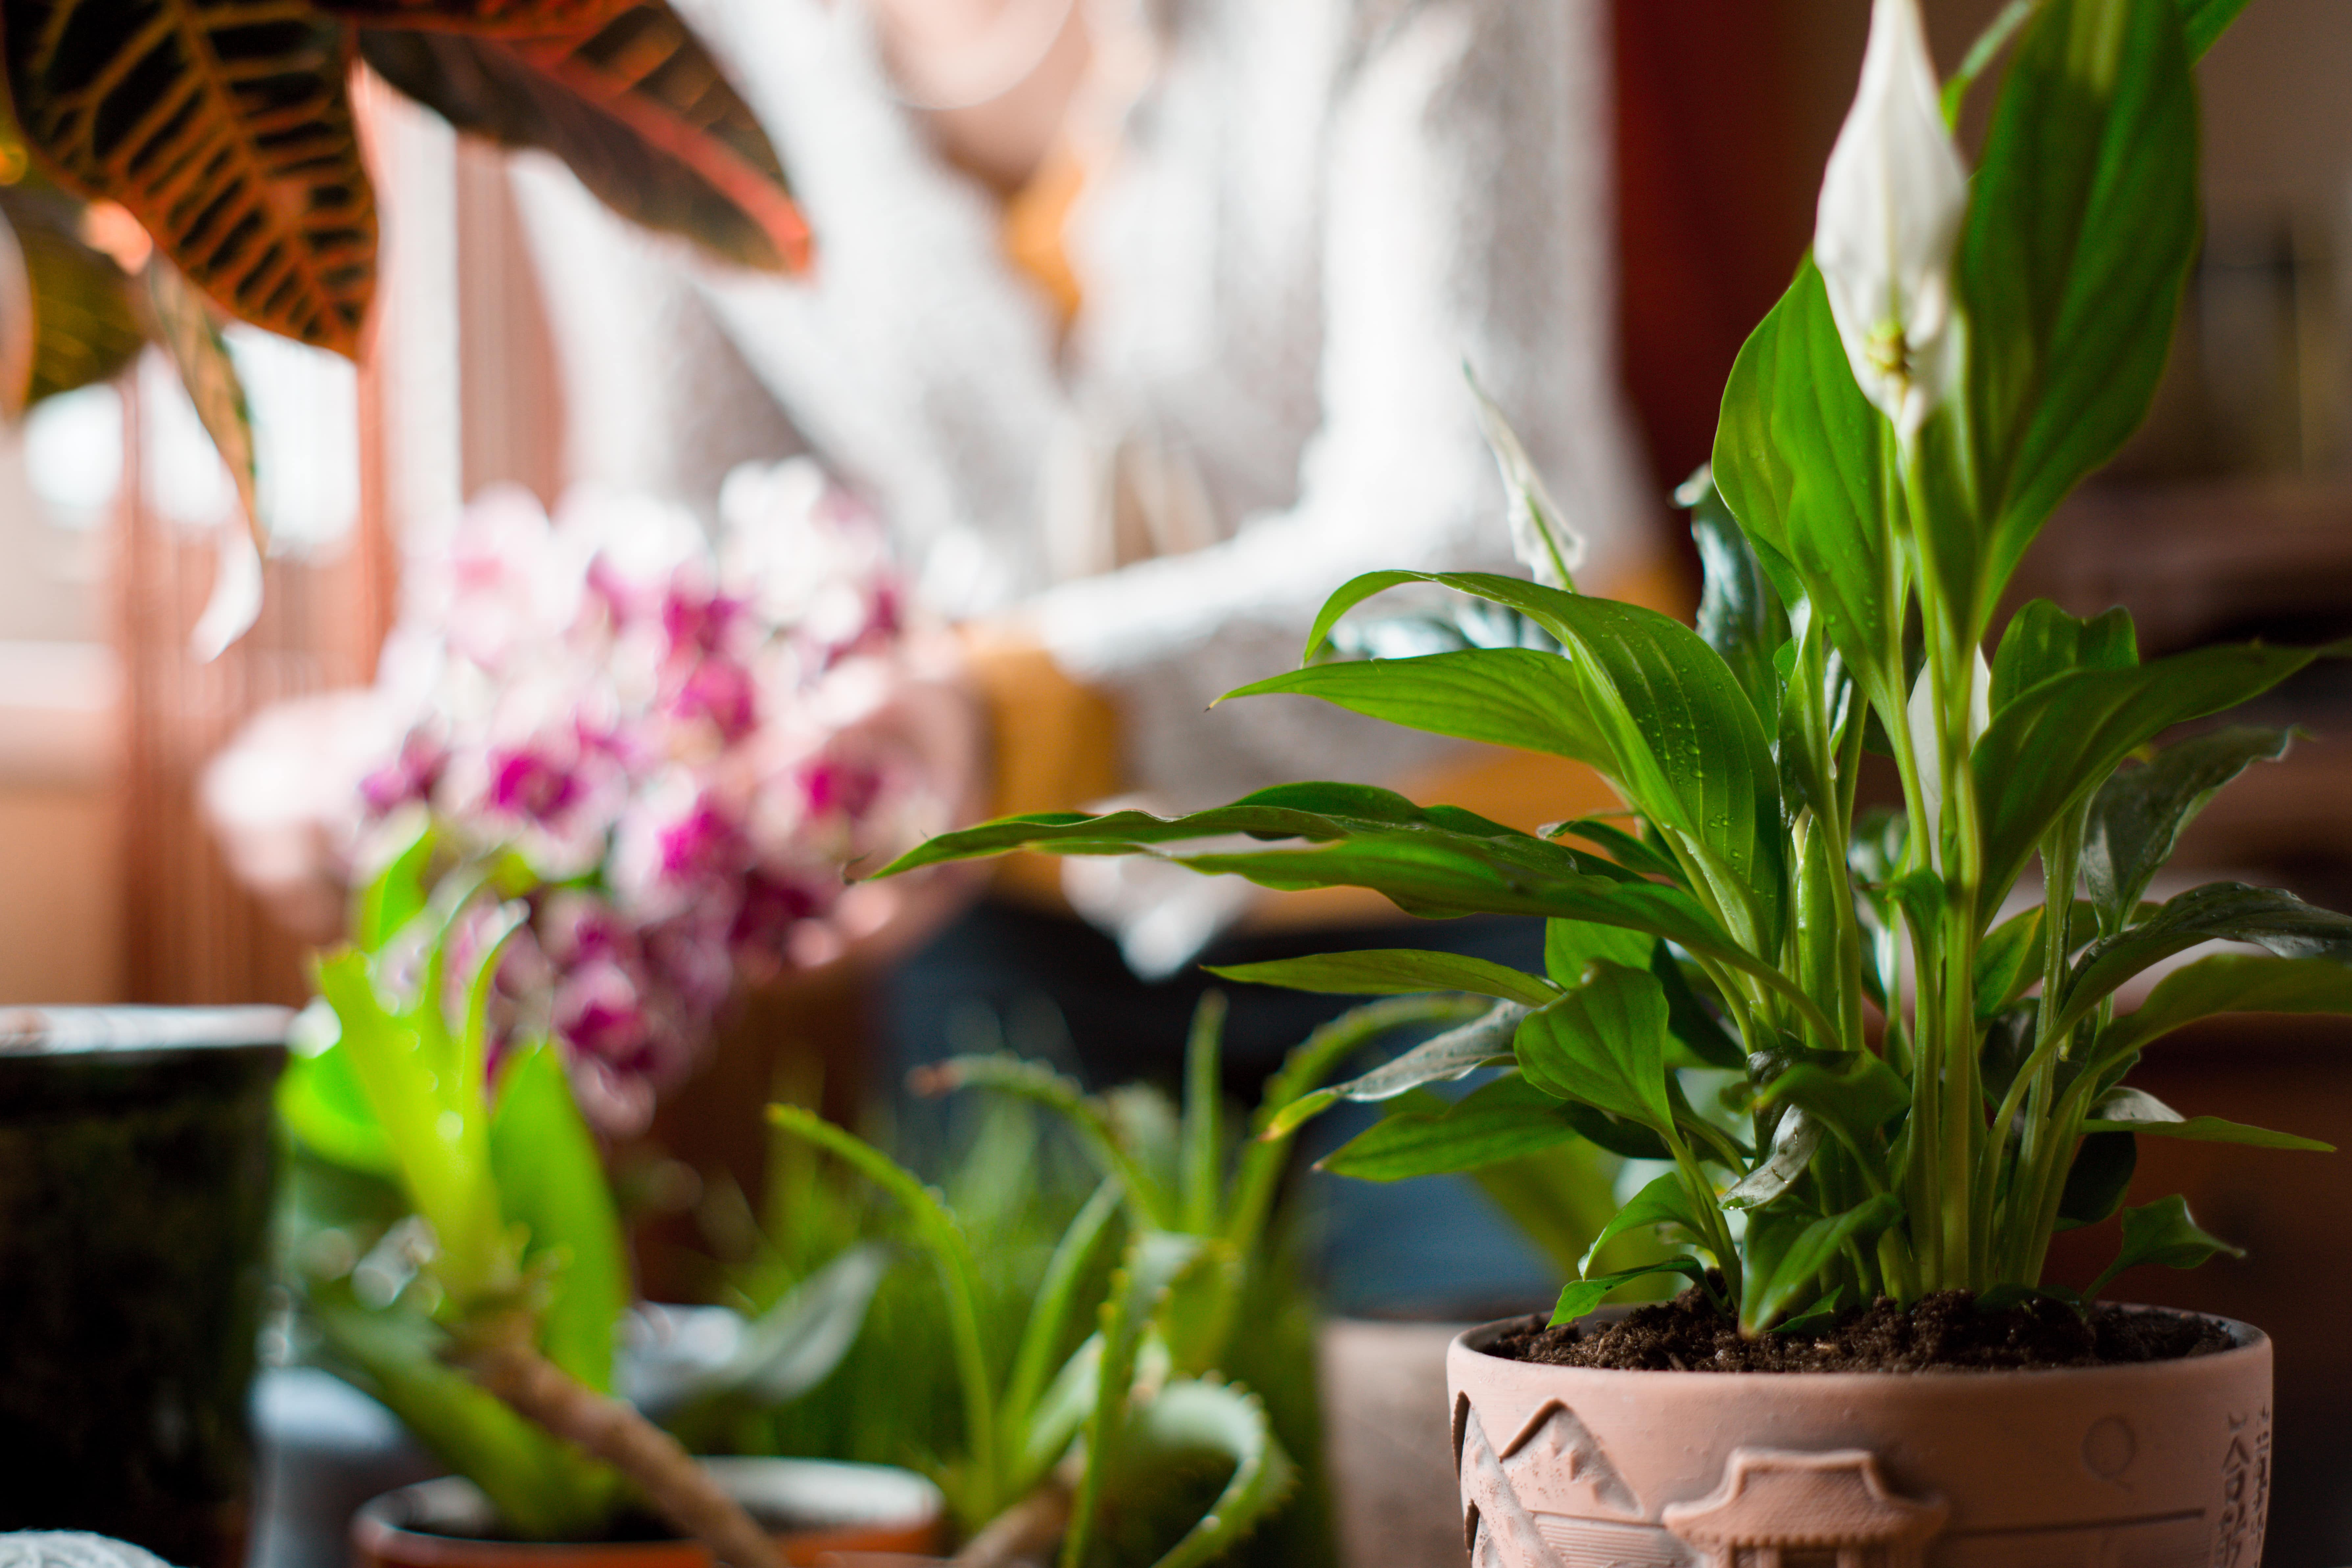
<point x="493" y="18"/>
<point x="85" y="329"/>
<point x="635" y="105"/>
<point x="184" y="325"/>
<point x="223" y="127"/>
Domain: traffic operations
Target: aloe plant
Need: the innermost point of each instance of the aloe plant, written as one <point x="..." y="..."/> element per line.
<point x="1906" y="1091"/>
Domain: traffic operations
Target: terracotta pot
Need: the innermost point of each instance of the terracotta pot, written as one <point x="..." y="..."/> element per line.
<point x="2164" y="1465"/>
<point x="835" y="1508"/>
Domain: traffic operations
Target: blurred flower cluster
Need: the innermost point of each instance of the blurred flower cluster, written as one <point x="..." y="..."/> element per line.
<point x="669" y="746"/>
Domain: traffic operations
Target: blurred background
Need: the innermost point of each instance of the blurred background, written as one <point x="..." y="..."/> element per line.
<point x="2230" y="516"/>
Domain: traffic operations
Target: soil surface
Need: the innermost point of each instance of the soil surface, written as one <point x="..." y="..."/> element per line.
<point x="1943" y="1333"/>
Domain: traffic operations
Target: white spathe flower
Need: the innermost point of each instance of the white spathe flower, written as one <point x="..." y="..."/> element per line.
<point x="1891" y="201"/>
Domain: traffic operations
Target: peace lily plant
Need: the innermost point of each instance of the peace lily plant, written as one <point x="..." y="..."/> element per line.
<point x="1864" y="1071"/>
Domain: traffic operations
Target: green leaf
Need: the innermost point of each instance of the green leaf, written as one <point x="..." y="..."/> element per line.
<point x="1395" y="971"/>
<point x="1604" y="1044"/>
<point x="1046" y="1329"/>
<point x="1799" y="458"/>
<point x="1981" y="54"/>
<point x="550" y="1180"/>
<point x="1202" y="1180"/>
<point x="1812" y="1250"/>
<point x="229" y="137"/>
<point x="1155" y="1261"/>
<point x="1455" y="1054"/>
<point x="85" y="327"/>
<point x="2082" y="221"/>
<point x="1503" y="697"/>
<point x="635" y="106"/>
<point x="1684" y="741"/>
<point x="2206" y="20"/>
<point x="1794" y="1143"/>
<point x="2134" y="1110"/>
<point x="1579" y="1296"/>
<point x="1502" y="1121"/>
<point x="2217" y="911"/>
<point x="2138" y="815"/>
<point x="1630" y="1139"/>
<point x="1571" y="947"/>
<point x="1688" y="1018"/>
<point x="2056" y="743"/>
<point x="1635" y="854"/>
<point x="1851" y="1089"/>
<point x="2162" y="1232"/>
<point x="321" y="1103"/>
<point x="1664" y="1201"/>
<point x="2043" y="641"/>
<point x="2008" y="958"/>
<point x="796" y="1345"/>
<point x="1041" y="1084"/>
<point x="2229" y="982"/>
<point x="1740" y="612"/>
<point x="2098" y="1178"/>
<point x="1540" y="537"/>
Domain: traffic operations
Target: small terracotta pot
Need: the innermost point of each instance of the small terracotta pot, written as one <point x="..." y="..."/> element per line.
<point x="837" y="1509"/>
<point x="2161" y="1465"/>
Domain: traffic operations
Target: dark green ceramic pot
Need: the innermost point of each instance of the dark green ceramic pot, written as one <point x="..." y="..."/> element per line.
<point x="136" y="1159"/>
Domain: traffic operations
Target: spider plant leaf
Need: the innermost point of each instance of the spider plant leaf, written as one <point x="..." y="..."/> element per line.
<point x="224" y="128"/>
<point x="635" y="105"/>
<point x="1604" y="1044"/>
<point x="2162" y="1232"/>
<point x="2083" y="217"/>
<point x="1505" y="1119"/>
<point x="2229" y="982"/>
<point x="1502" y="697"/>
<point x="1395" y="971"/>
<point x="2217" y="911"/>
<point x="2138" y="815"/>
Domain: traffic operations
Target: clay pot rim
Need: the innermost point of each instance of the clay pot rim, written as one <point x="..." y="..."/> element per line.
<point x="2246" y="1338"/>
<point x="393" y="1516"/>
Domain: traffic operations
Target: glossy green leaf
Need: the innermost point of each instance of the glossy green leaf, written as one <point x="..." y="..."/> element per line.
<point x="2057" y="741"/>
<point x="1664" y="1201"/>
<point x="1455" y="1054"/>
<point x="2083" y="218"/>
<point x="1800" y="459"/>
<point x="1604" y="1044"/>
<point x="1633" y="852"/>
<point x="1688" y="1018"/>
<point x="2135" y="1111"/>
<point x="2008" y="958"/>
<point x="2098" y="1179"/>
<point x="321" y="1103"/>
<point x="1794" y="1143"/>
<point x="1852" y="1089"/>
<point x="2162" y="1232"/>
<point x="1579" y="1296"/>
<point x="1987" y="48"/>
<point x="2229" y="982"/>
<point x="1396" y="971"/>
<point x="635" y="105"/>
<point x="1501" y="696"/>
<point x="1502" y="1121"/>
<point x="1684" y="741"/>
<point x="1541" y="536"/>
<point x="2138" y="815"/>
<point x="2043" y="641"/>
<point x="2204" y="21"/>
<point x="1571" y="947"/>
<point x="550" y="1181"/>
<point x="2217" y="911"/>
<point x="1629" y="1139"/>
<point x="1740" y="612"/>
<point x="1809" y="1252"/>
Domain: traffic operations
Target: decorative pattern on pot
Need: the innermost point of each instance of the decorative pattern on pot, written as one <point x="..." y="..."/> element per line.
<point x="2161" y="1465"/>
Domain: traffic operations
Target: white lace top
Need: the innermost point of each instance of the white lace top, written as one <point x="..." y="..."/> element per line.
<point x="1321" y="210"/>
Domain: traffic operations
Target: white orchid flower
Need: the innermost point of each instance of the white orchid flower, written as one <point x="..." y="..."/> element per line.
<point x="1891" y="201"/>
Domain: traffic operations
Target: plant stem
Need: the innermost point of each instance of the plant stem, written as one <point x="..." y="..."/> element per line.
<point x="501" y="1358"/>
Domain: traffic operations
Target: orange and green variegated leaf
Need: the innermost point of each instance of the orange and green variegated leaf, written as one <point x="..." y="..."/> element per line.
<point x="223" y="127"/>
<point x="184" y="326"/>
<point x="638" y="107"/>
<point x="86" y="327"/>
<point x="498" y="18"/>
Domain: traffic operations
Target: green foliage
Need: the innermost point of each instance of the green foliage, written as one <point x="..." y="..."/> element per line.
<point x="1886" y="1128"/>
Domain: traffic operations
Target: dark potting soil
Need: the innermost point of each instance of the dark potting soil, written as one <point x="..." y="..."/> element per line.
<point x="1943" y="1333"/>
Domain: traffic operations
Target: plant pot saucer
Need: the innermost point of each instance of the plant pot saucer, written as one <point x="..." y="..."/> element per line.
<point x="834" y="1507"/>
